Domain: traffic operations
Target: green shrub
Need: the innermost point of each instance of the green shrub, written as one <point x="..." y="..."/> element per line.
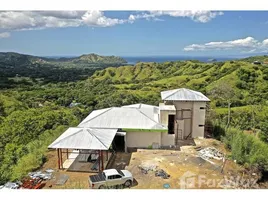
<point x="247" y="149"/>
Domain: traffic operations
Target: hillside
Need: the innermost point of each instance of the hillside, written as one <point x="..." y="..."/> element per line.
<point x="18" y="60"/>
<point x="52" y="69"/>
<point x="256" y="58"/>
<point x="249" y="81"/>
<point x="94" y="58"/>
<point x="34" y="110"/>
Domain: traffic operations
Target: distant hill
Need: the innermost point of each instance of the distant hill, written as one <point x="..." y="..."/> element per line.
<point x="263" y="58"/>
<point x="17" y="60"/>
<point x="52" y="69"/>
<point x="250" y="82"/>
<point x="94" y="58"/>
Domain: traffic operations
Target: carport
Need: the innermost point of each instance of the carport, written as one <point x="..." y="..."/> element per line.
<point x="84" y="141"/>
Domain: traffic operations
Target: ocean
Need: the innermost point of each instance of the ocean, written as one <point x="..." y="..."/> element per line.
<point x="160" y="59"/>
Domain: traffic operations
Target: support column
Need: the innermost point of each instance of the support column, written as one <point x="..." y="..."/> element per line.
<point x="99" y="160"/>
<point x="58" y="152"/>
<point x="102" y="165"/>
<point x="67" y="153"/>
<point x="107" y="155"/>
<point x="61" y="159"/>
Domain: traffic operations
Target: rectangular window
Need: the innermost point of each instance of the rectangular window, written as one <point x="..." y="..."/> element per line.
<point x="117" y="177"/>
<point x="171" y="120"/>
<point x="200" y="125"/>
<point x="202" y="108"/>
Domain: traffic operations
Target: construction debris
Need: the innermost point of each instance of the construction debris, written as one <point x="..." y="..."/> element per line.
<point x="10" y="185"/>
<point x="45" y="176"/>
<point x="62" y="179"/>
<point x="145" y="168"/>
<point x="211" y="152"/>
<point x="162" y="174"/>
<point x="33" y="183"/>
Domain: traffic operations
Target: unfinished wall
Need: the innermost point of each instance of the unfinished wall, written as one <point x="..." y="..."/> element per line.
<point x="167" y="139"/>
<point x="164" y="116"/>
<point x="142" y="139"/>
<point x="199" y="116"/>
<point x="187" y="122"/>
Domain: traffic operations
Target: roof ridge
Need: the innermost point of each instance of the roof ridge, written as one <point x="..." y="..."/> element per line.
<point x="96" y="137"/>
<point x="149" y="117"/>
<point x="176" y="90"/>
<point x="68" y="135"/>
<point x="108" y="109"/>
<point x="199" y="94"/>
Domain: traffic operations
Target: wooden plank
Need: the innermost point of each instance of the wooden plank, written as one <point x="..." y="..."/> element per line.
<point x="58" y="151"/>
<point x="99" y="160"/>
<point x="102" y="165"/>
<point x="61" y="159"/>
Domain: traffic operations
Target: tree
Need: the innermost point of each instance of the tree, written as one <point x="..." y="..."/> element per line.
<point x="223" y="91"/>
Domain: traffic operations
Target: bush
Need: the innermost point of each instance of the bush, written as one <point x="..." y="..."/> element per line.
<point x="247" y="149"/>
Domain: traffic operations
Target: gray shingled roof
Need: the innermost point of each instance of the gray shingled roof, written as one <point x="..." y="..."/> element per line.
<point x="183" y="94"/>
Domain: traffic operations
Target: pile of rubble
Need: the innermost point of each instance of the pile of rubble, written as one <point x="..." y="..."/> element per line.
<point x="145" y="168"/>
<point x="47" y="175"/>
<point x="34" y="178"/>
<point x="211" y="152"/>
<point x="162" y="174"/>
<point x="10" y="185"/>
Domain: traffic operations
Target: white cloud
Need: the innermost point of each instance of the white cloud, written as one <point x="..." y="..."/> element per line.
<point x="97" y="18"/>
<point x="25" y="20"/>
<point x="32" y="20"/>
<point x="195" y="15"/>
<point x="4" y="35"/>
<point x="248" y="44"/>
<point x="28" y="20"/>
<point x="265" y="43"/>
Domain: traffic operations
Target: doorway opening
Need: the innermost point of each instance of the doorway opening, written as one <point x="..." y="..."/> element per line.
<point x="119" y="143"/>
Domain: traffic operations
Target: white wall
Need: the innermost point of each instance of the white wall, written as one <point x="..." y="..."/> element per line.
<point x="187" y="122"/>
<point x="199" y="116"/>
<point x="167" y="139"/>
<point x="142" y="139"/>
<point x="164" y="116"/>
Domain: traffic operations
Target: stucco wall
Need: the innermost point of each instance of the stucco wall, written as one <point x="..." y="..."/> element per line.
<point x="187" y="122"/>
<point x="142" y="139"/>
<point x="198" y="119"/>
<point x="167" y="139"/>
<point x="164" y="116"/>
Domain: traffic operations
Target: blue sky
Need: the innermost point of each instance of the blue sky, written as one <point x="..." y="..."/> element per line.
<point x="142" y="33"/>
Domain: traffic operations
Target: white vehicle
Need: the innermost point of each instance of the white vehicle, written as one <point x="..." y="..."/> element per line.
<point x="111" y="177"/>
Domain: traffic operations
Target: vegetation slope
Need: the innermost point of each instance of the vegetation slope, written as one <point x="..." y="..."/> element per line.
<point x="33" y="112"/>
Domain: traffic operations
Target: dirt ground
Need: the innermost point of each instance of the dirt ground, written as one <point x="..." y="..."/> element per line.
<point x="185" y="168"/>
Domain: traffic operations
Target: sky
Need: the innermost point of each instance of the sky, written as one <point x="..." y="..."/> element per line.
<point x="134" y="33"/>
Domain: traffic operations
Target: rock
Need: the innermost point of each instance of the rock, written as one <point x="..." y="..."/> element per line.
<point x="162" y="174"/>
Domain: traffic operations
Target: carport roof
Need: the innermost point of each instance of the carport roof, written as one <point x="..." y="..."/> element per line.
<point x="84" y="138"/>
